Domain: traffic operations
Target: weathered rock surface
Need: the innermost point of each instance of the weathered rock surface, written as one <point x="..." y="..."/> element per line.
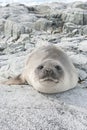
<point x="23" y="28"/>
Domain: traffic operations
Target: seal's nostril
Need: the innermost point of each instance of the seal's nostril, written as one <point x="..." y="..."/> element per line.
<point x="48" y="71"/>
<point x="58" y="67"/>
<point x="51" y="71"/>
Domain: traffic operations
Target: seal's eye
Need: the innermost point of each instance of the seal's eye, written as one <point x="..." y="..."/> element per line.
<point x="58" y="67"/>
<point x="40" y="67"/>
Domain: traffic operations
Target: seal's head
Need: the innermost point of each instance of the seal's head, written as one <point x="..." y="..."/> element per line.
<point x="49" y="71"/>
<point x="48" y="74"/>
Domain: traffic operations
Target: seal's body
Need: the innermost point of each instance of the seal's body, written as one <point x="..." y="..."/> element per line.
<point x="49" y="70"/>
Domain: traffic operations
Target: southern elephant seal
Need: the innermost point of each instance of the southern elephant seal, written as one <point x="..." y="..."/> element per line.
<point x="49" y="70"/>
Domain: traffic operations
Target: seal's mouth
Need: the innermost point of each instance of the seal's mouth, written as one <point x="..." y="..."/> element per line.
<point x="49" y="80"/>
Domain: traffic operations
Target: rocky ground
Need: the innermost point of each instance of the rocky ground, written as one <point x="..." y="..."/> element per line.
<point x="22" y="29"/>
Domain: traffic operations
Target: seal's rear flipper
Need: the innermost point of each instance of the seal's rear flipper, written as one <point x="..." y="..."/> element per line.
<point x="14" y="81"/>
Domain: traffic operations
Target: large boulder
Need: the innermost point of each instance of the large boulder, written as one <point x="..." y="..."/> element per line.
<point x="43" y="9"/>
<point x="74" y="15"/>
<point x="12" y="9"/>
<point x="79" y="4"/>
<point x="42" y="24"/>
<point x="20" y="18"/>
<point x="13" y="29"/>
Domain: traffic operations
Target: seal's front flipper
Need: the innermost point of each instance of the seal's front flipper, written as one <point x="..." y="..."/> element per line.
<point x="18" y="80"/>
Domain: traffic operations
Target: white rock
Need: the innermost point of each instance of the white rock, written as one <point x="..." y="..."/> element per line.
<point x="79" y="59"/>
<point x="83" y="45"/>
